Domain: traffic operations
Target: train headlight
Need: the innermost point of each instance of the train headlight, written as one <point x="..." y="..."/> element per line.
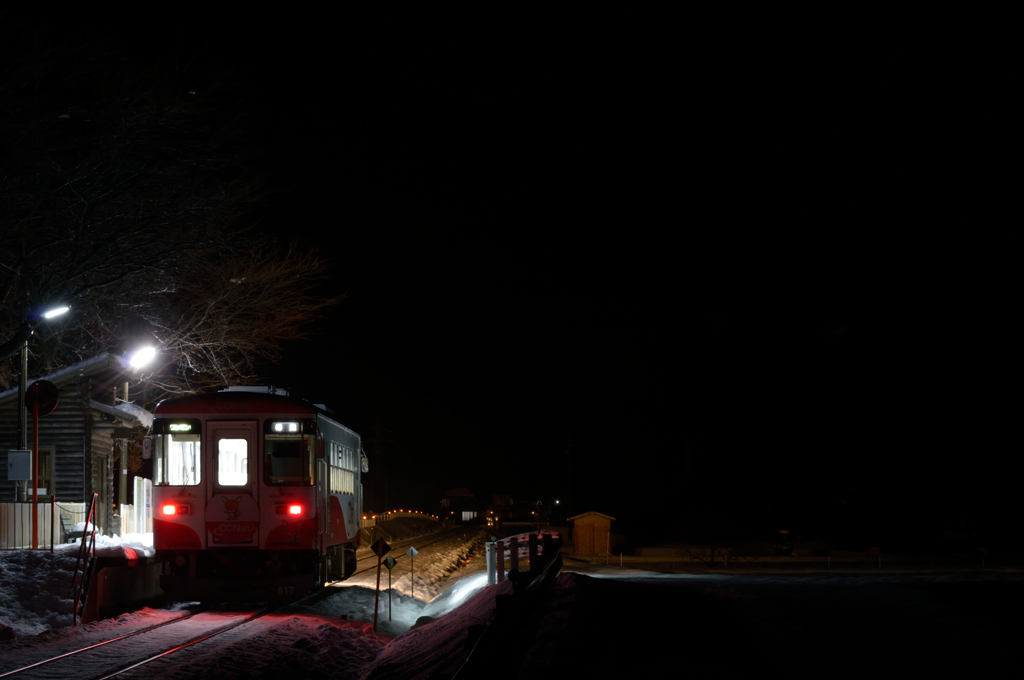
<point x="286" y="427"/>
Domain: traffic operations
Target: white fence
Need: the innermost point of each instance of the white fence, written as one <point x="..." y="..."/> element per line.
<point x="137" y="518"/>
<point x="16" y="523"/>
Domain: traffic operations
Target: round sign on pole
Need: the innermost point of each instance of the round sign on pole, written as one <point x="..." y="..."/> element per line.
<point x="45" y="393"/>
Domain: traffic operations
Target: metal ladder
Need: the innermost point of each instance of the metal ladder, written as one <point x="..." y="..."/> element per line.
<point x="87" y="554"/>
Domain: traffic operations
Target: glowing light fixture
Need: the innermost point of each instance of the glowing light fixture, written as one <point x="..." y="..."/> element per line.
<point x="169" y="509"/>
<point x="142" y="357"/>
<point x="56" y="311"/>
<point x="294" y="509"/>
<point x="286" y="427"/>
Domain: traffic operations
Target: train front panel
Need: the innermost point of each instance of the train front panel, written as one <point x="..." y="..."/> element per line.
<point x="243" y="503"/>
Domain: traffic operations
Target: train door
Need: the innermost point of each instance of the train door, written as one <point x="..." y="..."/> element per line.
<point x="232" y="508"/>
<point x="323" y="505"/>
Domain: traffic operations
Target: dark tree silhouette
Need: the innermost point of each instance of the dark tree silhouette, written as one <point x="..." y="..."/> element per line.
<point x="131" y="185"/>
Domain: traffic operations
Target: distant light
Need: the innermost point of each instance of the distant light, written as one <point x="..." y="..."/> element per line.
<point x="57" y="311"/>
<point x="142" y="357"/>
<point x="556" y="502"/>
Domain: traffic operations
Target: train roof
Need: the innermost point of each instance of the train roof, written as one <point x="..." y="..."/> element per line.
<point x="234" y="402"/>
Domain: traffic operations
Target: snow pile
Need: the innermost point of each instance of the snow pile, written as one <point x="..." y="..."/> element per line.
<point x="435" y="592"/>
<point x="130" y="546"/>
<point x="341" y="650"/>
<point x="36" y="585"/>
<point x="35" y="589"/>
<point x="440" y="647"/>
<point x="434" y="569"/>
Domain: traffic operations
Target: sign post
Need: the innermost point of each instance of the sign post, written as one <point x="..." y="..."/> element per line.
<point x="390" y="564"/>
<point x="380" y="548"/>
<point x="43" y="397"/>
<point x="412" y="553"/>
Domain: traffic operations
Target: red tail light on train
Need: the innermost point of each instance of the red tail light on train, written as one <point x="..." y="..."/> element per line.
<point x="176" y="510"/>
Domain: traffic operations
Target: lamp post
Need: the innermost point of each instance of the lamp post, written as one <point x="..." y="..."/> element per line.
<point x="19" y="343"/>
<point x="140" y="358"/>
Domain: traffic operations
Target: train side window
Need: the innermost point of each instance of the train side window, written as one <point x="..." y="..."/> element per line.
<point x="288" y="459"/>
<point x="232" y="462"/>
<point x="176" y="460"/>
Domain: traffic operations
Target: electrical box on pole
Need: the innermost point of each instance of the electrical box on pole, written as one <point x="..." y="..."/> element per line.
<point x="19" y="466"/>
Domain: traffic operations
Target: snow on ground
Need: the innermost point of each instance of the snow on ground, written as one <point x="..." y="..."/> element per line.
<point x="599" y="621"/>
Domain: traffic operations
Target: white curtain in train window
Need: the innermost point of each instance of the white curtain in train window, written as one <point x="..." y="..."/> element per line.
<point x="182" y="465"/>
<point x="232" y="462"/>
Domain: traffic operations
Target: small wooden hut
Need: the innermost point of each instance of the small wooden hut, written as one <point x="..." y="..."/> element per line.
<point x="591" y="533"/>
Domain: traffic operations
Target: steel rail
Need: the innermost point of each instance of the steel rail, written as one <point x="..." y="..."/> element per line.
<point x="195" y="641"/>
<point x="98" y="644"/>
<point x="448" y="533"/>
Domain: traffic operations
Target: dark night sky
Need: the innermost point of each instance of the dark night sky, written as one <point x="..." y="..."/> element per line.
<point x="754" y="264"/>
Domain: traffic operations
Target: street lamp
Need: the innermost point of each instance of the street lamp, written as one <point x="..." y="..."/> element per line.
<point x="136" y="361"/>
<point x="141" y="357"/>
<point x="19" y="343"/>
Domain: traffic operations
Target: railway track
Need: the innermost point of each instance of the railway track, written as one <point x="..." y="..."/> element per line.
<point x="397" y="546"/>
<point x="133" y="650"/>
<point x="110" y="658"/>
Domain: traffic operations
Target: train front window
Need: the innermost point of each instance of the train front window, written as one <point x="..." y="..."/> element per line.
<point x="288" y="453"/>
<point x="177" y="461"/>
<point x="232" y="462"/>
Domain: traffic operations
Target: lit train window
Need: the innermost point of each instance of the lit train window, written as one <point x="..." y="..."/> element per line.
<point x="342" y="469"/>
<point x="232" y="462"/>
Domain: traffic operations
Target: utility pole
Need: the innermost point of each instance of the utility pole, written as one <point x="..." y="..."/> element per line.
<point x="122" y="468"/>
<point x="23" y="416"/>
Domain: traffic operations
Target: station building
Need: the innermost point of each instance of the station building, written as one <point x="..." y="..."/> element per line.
<point x="79" y="440"/>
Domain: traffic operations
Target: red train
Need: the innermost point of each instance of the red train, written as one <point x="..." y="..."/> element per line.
<point x="256" y="496"/>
